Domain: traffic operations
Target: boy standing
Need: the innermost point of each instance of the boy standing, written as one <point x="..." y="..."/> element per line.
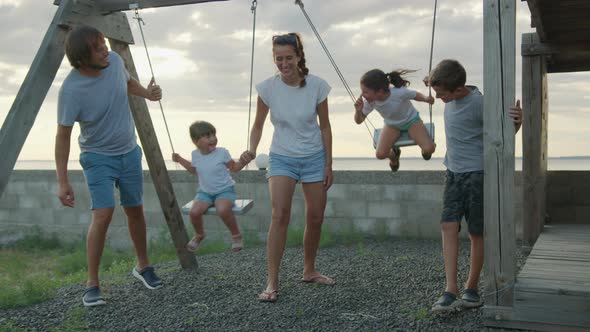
<point x="463" y="194"/>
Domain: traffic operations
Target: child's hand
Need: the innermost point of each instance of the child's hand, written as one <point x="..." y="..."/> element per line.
<point x="430" y="100"/>
<point x="358" y="105"/>
<point x="175" y="157"/>
<point x="426" y="80"/>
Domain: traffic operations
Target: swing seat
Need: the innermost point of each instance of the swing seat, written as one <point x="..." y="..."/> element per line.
<point x="241" y="206"/>
<point x="404" y="139"/>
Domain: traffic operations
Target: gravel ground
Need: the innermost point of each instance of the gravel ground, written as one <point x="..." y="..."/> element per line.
<point x="381" y="286"/>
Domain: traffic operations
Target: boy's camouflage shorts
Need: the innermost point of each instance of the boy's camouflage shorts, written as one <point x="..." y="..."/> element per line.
<point x="463" y="197"/>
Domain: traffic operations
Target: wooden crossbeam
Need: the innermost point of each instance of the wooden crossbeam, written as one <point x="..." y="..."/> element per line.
<point x="109" y="6"/>
<point x="113" y="26"/>
<point x="536" y="19"/>
<point x="532" y="48"/>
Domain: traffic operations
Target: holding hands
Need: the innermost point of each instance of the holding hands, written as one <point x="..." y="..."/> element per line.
<point x="246" y="157"/>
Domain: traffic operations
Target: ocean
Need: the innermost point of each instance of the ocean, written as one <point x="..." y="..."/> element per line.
<point x="354" y="164"/>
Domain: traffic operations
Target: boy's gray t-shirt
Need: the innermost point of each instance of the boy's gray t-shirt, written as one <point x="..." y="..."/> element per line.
<point x="101" y="107"/>
<point x="464" y="133"/>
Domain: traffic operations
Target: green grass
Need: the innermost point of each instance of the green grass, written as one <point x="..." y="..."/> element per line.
<point x="34" y="267"/>
<point x="75" y="321"/>
<point x="421" y="314"/>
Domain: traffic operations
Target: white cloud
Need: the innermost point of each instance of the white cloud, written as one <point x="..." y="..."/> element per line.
<point x="197" y="18"/>
<point x="183" y="38"/>
<point x="11" y="3"/>
<point x="167" y="63"/>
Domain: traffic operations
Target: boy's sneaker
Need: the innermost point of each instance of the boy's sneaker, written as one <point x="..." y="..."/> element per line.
<point x="471" y="299"/>
<point x="92" y="297"/>
<point x="447" y="302"/>
<point x="148" y="277"/>
<point x="426" y="156"/>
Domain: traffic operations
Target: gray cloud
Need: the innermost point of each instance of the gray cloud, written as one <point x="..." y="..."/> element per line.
<point x="209" y="71"/>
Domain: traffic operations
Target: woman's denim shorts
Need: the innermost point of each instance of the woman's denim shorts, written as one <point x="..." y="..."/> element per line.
<point x="302" y="169"/>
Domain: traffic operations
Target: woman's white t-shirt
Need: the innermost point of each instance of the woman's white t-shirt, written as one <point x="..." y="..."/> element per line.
<point x="293" y="113"/>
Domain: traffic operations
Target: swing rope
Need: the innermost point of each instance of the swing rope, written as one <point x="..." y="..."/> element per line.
<point x="253" y="9"/>
<point x="140" y="21"/>
<point x="430" y="61"/>
<point x="346" y="86"/>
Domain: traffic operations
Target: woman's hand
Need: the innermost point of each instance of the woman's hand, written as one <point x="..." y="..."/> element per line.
<point x="246" y="157"/>
<point x="328" y="177"/>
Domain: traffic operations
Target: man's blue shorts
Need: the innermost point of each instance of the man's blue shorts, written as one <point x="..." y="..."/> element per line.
<point x="228" y="193"/>
<point x="302" y="169"/>
<point x="104" y="173"/>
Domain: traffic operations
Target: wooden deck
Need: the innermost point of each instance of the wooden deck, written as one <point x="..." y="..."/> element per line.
<point x="552" y="292"/>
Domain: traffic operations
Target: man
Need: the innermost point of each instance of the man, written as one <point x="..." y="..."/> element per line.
<point x="95" y="94"/>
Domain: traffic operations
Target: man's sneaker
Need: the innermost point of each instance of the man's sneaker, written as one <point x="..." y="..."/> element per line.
<point x="471" y="299"/>
<point x="148" y="277"/>
<point x="447" y="302"/>
<point x="92" y="297"/>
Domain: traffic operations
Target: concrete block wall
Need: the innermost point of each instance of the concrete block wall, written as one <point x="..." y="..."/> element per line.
<point x="568" y="197"/>
<point x="406" y="203"/>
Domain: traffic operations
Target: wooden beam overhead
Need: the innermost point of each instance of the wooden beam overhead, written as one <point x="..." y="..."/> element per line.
<point x="113" y="26"/>
<point x="536" y="19"/>
<point x="109" y="6"/>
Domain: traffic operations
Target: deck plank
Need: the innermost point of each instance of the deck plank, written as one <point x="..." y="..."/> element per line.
<point x="556" y="279"/>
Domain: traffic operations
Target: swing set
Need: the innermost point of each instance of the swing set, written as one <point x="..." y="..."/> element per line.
<point x="242" y="206"/>
<point x="107" y="17"/>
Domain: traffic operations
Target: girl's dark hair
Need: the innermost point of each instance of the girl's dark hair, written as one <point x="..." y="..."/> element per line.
<point x="293" y="39"/>
<point x="201" y="128"/>
<point x="376" y="79"/>
<point x="448" y="74"/>
<point x="80" y="43"/>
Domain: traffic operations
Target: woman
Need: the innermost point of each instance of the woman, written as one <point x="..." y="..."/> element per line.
<point x="301" y="151"/>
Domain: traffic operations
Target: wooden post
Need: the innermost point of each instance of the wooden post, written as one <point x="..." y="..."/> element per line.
<point x="534" y="142"/>
<point x="153" y="155"/>
<point x="499" y="82"/>
<point x="28" y="101"/>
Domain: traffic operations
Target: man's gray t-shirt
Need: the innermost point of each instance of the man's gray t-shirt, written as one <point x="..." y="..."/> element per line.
<point x="464" y="133"/>
<point x="101" y="107"/>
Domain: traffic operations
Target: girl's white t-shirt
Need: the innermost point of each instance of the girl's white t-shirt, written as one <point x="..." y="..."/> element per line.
<point x="293" y="113"/>
<point x="212" y="171"/>
<point x="396" y="110"/>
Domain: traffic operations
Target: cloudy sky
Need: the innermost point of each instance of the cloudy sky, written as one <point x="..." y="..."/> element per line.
<point x="201" y="58"/>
